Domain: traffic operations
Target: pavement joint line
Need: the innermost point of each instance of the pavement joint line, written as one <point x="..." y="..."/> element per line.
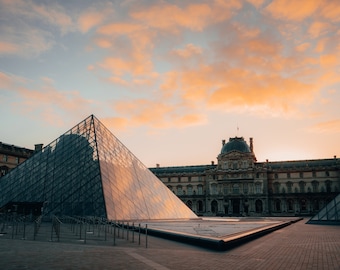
<point x="148" y="262"/>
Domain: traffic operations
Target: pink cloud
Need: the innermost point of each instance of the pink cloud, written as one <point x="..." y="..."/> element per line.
<point x="8" y="48"/>
<point x="43" y="98"/>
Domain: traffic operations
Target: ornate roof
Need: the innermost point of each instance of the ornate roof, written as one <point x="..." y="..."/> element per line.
<point x="236" y="144"/>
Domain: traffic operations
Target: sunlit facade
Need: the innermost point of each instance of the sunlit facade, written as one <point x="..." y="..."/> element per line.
<point x="238" y="185"/>
<point x="88" y="172"/>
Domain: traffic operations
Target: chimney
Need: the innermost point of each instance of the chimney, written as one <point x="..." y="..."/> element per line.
<point x="38" y="147"/>
<point x="212" y="162"/>
<point x="157" y="165"/>
<point x="251" y="145"/>
<point x="223" y="142"/>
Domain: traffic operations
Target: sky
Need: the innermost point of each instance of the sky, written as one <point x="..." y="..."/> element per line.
<point x="172" y="79"/>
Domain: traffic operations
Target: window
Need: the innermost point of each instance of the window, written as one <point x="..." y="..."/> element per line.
<point x="245" y="188"/>
<point x="328" y="186"/>
<point x="5" y="158"/>
<point x="179" y="179"/>
<point x="276" y="187"/>
<point x="169" y="179"/>
<point x="179" y="190"/>
<point x="200" y="190"/>
<point x="289" y="187"/>
<point x="189" y="179"/>
<point x="200" y="206"/>
<point x="314" y="174"/>
<point x="236" y="189"/>
<point x="278" y="205"/>
<point x="258" y="188"/>
<point x="189" y="188"/>
<point x="213" y="189"/>
<point x="288" y="175"/>
<point x="302" y="185"/>
<point x="225" y="190"/>
<point x="17" y="160"/>
<point x="303" y="205"/>
<point x="290" y="205"/>
<point x="315" y="185"/>
<point x="301" y="174"/>
<point x="276" y="176"/>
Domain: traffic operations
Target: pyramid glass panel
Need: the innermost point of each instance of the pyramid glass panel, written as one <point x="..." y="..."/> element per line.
<point x="88" y="172"/>
<point x="329" y="214"/>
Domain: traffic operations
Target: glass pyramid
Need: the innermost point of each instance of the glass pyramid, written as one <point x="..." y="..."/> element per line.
<point x="330" y="214"/>
<point x="88" y="172"/>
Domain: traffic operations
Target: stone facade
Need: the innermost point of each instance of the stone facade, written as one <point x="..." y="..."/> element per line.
<point x="238" y="185"/>
<point x="11" y="156"/>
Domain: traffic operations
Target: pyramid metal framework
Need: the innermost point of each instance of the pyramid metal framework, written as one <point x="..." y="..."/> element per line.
<point x="88" y="172"/>
<point x="330" y="214"/>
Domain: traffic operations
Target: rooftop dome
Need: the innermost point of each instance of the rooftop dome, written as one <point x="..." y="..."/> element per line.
<point x="235" y="144"/>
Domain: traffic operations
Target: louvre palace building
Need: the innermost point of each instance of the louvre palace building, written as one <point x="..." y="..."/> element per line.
<point x="238" y="185"/>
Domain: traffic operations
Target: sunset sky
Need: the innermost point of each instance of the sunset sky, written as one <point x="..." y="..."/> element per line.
<point x="171" y="79"/>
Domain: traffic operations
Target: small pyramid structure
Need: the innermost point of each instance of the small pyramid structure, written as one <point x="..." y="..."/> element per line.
<point x="330" y="214"/>
<point x="88" y="172"/>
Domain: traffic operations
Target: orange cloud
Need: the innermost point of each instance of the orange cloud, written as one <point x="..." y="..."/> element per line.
<point x="156" y="113"/>
<point x="319" y="28"/>
<point x="193" y="16"/>
<point x="89" y="20"/>
<point x="329" y="60"/>
<point x="332" y="126"/>
<point x="293" y="10"/>
<point x="331" y="10"/>
<point x="302" y="47"/>
<point x="188" y="51"/>
<point x="138" y="65"/>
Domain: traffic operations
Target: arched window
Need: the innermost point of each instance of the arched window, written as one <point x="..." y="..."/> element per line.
<point x="302" y="185"/>
<point x="214" y="207"/>
<point x="199" y="206"/>
<point x="258" y="206"/>
<point x="290" y="205"/>
<point x="289" y="187"/>
<point x="303" y="205"/>
<point x="189" y="204"/>
<point x="278" y="205"/>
